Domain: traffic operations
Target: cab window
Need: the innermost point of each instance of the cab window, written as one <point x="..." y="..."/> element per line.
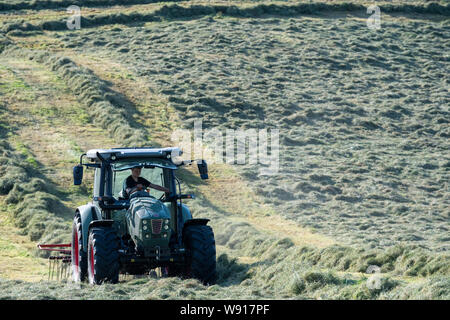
<point x="154" y="175"/>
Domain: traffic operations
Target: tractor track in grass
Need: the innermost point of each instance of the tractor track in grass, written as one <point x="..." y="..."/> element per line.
<point x="45" y="125"/>
<point x="49" y="107"/>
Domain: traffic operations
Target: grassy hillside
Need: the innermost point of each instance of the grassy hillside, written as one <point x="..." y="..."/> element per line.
<point x="363" y="118"/>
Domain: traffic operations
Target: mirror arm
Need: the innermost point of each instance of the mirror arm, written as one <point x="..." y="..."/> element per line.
<point x="81" y="158"/>
<point x="189" y="162"/>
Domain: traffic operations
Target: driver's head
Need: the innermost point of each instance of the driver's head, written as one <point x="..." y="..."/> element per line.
<point x="136" y="172"/>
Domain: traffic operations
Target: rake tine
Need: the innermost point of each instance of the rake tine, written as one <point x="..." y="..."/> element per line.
<point x="53" y="269"/>
<point x="66" y="264"/>
<point x="49" y="268"/>
<point x="62" y="270"/>
<point x="65" y="270"/>
<point x="59" y="270"/>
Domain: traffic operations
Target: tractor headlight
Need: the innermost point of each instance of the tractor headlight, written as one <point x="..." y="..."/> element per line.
<point x="144" y="221"/>
<point x="145" y="228"/>
<point x="166" y="227"/>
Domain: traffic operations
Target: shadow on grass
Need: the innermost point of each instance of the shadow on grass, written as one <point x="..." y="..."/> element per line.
<point x="39" y="186"/>
<point x="231" y="272"/>
<point x="129" y="111"/>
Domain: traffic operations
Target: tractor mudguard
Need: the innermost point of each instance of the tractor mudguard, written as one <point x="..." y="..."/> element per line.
<point x="101" y="223"/>
<point x="191" y="222"/>
<point x="186" y="214"/>
<point x="88" y="214"/>
<point x="200" y="221"/>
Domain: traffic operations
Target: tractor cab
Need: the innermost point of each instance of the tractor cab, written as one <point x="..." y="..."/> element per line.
<point x="113" y="166"/>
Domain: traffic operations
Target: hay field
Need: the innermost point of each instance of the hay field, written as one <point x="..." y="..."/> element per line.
<point x="364" y="126"/>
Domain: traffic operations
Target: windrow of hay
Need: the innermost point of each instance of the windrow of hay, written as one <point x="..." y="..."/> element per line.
<point x="4" y="42"/>
<point x="255" y="11"/>
<point x="52" y="4"/>
<point x="310" y="272"/>
<point x="273" y="265"/>
<point x="313" y="284"/>
<point x="281" y="255"/>
<point x="108" y="109"/>
<point x="36" y="209"/>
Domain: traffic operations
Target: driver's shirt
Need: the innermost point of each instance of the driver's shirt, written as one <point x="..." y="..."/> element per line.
<point x="130" y="183"/>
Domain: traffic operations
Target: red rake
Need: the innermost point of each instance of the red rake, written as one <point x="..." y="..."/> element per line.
<point x="59" y="264"/>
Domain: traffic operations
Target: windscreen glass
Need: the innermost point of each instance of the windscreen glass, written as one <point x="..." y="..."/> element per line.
<point x="153" y="175"/>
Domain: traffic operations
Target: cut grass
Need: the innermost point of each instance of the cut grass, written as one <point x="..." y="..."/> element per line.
<point x="16" y="252"/>
<point x="236" y="196"/>
<point x="254" y="257"/>
<point x="29" y="158"/>
<point x="341" y="159"/>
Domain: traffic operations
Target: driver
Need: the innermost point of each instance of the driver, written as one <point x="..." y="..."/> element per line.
<point x="135" y="182"/>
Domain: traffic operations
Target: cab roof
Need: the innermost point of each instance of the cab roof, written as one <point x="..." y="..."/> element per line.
<point x="126" y="153"/>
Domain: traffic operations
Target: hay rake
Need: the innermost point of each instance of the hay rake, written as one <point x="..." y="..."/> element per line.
<point x="59" y="266"/>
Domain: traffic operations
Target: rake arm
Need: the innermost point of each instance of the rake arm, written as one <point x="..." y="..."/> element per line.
<point x="58" y="265"/>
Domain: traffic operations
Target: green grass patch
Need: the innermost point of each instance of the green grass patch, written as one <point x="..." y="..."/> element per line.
<point x="25" y="151"/>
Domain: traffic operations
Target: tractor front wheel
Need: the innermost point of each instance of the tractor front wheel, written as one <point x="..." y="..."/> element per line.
<point x="103" y="255"/>
<point x="201" y="253"/>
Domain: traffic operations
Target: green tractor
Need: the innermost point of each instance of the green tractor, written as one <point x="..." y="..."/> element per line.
<point x="144" y="229"/>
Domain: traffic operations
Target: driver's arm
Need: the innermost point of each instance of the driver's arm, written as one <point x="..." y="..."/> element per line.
<point x="148" y="184"/>
<point x="160" y="188"/>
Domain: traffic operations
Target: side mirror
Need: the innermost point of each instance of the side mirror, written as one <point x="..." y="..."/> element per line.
<point x="202" y="169"/>
<point x="77" y="174"/>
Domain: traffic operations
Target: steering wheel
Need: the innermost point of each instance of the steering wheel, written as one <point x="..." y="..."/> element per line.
<point x="162" y="197"/>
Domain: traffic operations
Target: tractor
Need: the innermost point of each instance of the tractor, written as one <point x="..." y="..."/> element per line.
<point x="147" y="229"/>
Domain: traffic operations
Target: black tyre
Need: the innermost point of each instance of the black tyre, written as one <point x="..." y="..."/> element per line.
<point x="176" y="271"/>
<point x="103" y="255"/>
<point x="79" y="256"/>
<point x="201" y="253"/>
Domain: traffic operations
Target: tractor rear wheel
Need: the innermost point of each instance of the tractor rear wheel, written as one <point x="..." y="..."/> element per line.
<point x="79" y="256"/>
<point x="201" y="253"/>
<point x="103" y="255"/>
